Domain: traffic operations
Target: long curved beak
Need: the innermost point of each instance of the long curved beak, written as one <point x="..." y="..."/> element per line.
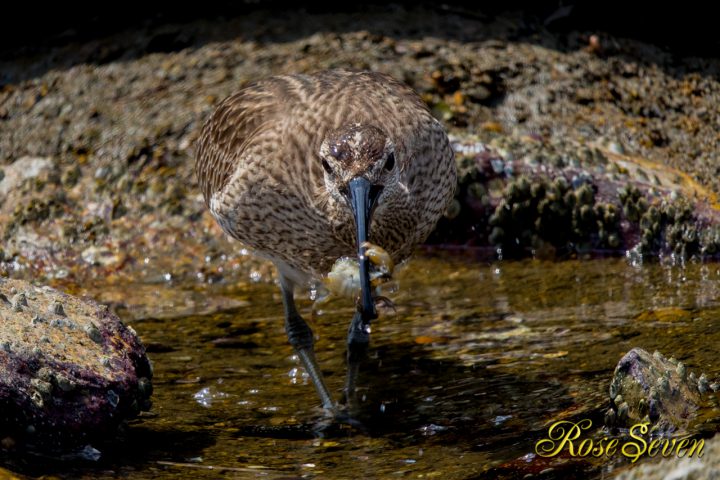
<point x="363" y="195"/>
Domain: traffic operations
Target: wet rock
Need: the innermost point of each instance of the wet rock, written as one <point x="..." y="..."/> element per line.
<point x="21" y="170"/>
<point x="520" y="196"/>
<point x="119" y="132"/>
<point x="102" y="256"/>
<point x="70" y="371"/>
<point x="655" y="389"/>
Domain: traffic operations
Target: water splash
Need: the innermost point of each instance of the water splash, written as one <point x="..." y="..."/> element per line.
<point x="206" y="396"/>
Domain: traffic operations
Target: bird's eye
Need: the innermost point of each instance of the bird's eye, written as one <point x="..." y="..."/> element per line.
<point x="326" y="166"/>
<point x="390" y="162"/>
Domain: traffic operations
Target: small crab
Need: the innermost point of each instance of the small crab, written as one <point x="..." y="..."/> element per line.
<point x="343" y="280"/>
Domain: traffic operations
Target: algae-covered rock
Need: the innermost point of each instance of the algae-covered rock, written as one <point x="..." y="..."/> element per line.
<point x="70" y="371"/>
<point x="654" y="389"/>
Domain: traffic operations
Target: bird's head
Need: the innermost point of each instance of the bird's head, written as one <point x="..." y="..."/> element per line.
<point x="360" y="170"/>
<point x="357" y="153"/>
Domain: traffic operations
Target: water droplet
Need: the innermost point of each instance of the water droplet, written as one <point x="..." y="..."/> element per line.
<point x="313" y="293"/>
<point x="500" y="419"/>
<point x="167" y="277"/>
<point x="634" y="257"/>
<point x="255" y="276"/>
<point x="89" y="453"/>
<point x="382" y="408"/>
<point x="207" y="395"/>
<point x="432" y="429"/>
<point x="61" y="273"/>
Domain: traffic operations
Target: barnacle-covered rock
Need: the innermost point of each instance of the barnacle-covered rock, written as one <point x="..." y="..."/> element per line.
<point x="70" y="371"/>
<point x="655" y="389"/>
<point x="521" y="196"/>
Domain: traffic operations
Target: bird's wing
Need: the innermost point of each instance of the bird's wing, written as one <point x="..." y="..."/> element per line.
<point x="228" y="131"/>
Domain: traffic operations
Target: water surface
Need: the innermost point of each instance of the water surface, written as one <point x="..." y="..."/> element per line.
<point x="461" y="380"/>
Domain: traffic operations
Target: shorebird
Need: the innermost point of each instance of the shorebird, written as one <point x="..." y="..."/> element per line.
<point x="305" y="169"/>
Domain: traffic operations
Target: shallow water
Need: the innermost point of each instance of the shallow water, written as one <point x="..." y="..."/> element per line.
<point x="461" y="381"/>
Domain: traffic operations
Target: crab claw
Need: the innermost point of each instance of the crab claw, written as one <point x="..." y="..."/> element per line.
<point x="379" y="258"/>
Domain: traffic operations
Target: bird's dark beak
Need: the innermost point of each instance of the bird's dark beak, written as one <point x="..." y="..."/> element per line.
<point x="362" y="196"/>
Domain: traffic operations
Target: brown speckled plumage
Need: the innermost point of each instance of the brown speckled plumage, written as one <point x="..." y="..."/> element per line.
<point x="260" y="171"/>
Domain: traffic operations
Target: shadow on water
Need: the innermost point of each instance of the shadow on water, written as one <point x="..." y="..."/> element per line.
<point x="136" y="447"/>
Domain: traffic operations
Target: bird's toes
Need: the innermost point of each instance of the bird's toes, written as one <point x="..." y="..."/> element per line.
<point x="338" y="423"/>
<point x="345" y="419"/>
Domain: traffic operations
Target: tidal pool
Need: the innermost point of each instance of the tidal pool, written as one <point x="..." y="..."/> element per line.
<point x="461" y="381"/>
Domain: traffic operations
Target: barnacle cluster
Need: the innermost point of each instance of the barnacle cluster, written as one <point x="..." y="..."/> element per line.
<point x="655" y="389"/>
<point x="668" y="225"/>
<point x="37" y="209"/>
<point x="567" y="216"/>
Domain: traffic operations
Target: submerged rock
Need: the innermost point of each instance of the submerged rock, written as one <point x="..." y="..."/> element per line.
<point x="654" y="389"/>
<point x="70" y="371"/>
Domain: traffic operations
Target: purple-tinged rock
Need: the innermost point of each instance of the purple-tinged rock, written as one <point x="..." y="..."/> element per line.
<point x="70" y="371"/>
<point x="655" y="389"/>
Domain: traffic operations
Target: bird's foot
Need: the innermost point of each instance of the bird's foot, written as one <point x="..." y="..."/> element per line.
<point x="338" y="422"/>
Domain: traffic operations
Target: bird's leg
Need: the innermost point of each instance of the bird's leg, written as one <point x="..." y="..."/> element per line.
<point x="301" y="338"/>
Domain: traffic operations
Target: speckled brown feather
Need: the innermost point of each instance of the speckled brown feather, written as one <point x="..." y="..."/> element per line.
<point x="260" y="173"/>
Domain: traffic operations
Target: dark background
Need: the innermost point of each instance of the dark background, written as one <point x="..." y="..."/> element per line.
<point x="681" y="27"/>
